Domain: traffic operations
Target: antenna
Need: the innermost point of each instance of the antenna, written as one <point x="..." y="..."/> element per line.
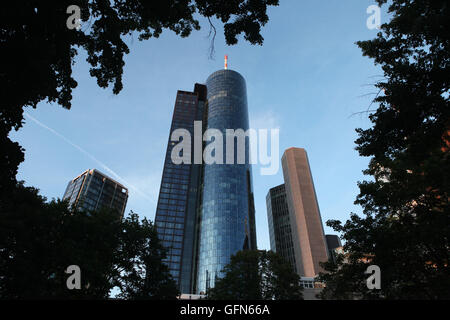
<point x="226" y="62"/>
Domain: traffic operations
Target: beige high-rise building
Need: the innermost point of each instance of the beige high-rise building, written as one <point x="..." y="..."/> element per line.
<point x="308" y="237"/>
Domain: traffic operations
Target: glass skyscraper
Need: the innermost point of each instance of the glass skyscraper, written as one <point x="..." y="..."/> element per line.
<point x="93" y="190"/>
<point x="227" y="217"/>
<point x="279" y="224"/>
<point x="176" y="212"/>
<point x="205" y="212"/>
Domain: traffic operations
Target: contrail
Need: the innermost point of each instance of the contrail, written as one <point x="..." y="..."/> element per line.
<point x="104" y="166"/>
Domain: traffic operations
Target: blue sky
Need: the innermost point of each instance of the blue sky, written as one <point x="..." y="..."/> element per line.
<point x="307" y="79"/>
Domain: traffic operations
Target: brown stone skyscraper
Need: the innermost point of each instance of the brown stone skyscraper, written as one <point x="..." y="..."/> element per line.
<point x="310" y="246"/>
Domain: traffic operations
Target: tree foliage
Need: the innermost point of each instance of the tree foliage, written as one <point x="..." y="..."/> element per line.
<point x="40" y="239"/>
<point x="406" y="224"/>
<point x="39" y="50"/>
<point x="140" y="255"/>
<point x="257" y="275"/>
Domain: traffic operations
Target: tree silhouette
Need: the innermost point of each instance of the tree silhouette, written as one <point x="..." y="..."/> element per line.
<point x="257" y="275"/>
<point x="142" y="273"/>
<point x="406" y="224"/>
<point x="39" y="240"/>
<point x="39" y="50"/>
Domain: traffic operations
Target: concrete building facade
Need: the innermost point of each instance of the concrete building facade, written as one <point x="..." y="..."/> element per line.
<point x="310" y="247"/>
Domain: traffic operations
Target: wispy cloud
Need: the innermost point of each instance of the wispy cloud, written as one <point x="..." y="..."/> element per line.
<point x="90" y="156"/>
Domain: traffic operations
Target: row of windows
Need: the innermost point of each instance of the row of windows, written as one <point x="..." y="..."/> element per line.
<point x="186" y="99"/>
<point x="178" y="232"/>
<point x="180" y="170"/>
<point x="169" y="237"/>
<point x="173" y="251"/>
<point x="161" y="217"/>
<point x="91" y="194"/>
<point x="95" y="188"/>
<point x="186" y="95"/>
<point x="188" y="127"/>
<point x="177" y="178"/>
<point x="171" y="185"/>
<point x="307" y="284"/>
<point x="184" y="107"/>
<point x="176" y="186"/>
<point x="179" y="123"/>
<point x="89" y="201"/>
<point x="173" y="214"/>
<point x="96" y="181"/>
<point x="169" y="225"/>
<point x="172" y="194"/>
<point x="183" y="118"/>
<point x="172" y="201"/>
<point x="171" y="208"/>
<point x="109" y="188"/>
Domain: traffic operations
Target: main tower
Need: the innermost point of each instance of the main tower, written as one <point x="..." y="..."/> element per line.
<point x="226" y="213"/>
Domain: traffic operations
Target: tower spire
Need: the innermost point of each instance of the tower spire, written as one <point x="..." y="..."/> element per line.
<point x="226" y="62"/>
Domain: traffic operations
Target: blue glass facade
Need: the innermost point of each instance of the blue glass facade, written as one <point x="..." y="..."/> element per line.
<point x="205" y="212"/>
<point x="226" y="213"/>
